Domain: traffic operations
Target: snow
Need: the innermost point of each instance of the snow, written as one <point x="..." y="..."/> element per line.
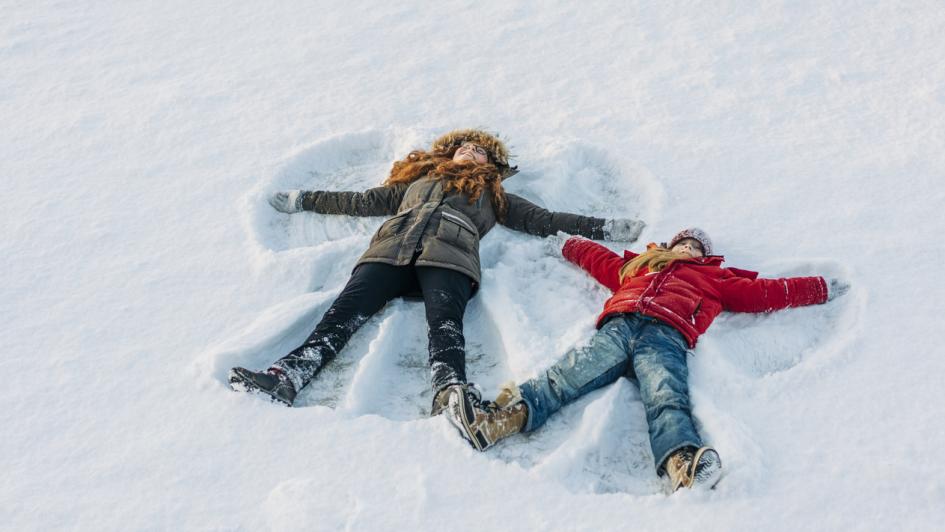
<point x="141" y="259"/>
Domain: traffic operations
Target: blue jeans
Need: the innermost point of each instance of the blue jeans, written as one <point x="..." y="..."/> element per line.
<point x="657" y="353"/>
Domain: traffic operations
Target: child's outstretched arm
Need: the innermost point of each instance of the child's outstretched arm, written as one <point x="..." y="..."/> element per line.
<point x="744" y="294"/>
<point x="602" y="263"/>
<point x="379" y="201"/>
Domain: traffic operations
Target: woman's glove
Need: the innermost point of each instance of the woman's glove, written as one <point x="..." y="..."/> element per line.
<point x="287" y="201"/>
<point x="836" y="288"/>
<point x="623" y="229"/>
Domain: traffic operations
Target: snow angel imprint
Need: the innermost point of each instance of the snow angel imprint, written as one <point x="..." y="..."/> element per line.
<point x="663" y="300"/>
<point x="440" y="203"/>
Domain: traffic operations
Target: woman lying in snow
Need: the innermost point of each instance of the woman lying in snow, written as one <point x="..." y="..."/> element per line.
<point x="442" y="201"/>
<point x="663" y="300"/>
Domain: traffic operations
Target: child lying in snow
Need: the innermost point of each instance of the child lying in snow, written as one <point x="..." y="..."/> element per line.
<point x="663" y="300"/>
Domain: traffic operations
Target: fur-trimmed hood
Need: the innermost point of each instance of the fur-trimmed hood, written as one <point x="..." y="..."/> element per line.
<point x="498" y="152"/>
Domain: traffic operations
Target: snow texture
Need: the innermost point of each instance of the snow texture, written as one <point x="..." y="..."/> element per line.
<point x="142" y="259"/>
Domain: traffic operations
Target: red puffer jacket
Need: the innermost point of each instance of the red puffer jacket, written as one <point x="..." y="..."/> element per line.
<point x="689" y="294"/>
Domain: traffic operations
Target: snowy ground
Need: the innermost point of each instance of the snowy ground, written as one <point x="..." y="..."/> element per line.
<point x="141" y="260"/>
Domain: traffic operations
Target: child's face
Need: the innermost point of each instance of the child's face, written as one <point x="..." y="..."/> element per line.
<point x="691" y="246"/>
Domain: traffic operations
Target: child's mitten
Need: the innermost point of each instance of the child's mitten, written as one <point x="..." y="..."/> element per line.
<point x="836" y="288"/>
<point x="554" y="243"/>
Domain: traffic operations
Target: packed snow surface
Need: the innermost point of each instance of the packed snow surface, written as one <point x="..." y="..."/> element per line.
<point x="140" y="141"/>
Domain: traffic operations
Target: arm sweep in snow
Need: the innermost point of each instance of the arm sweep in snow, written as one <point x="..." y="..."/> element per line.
<point x="379" y="201"/>
<point x="602" y="263"/>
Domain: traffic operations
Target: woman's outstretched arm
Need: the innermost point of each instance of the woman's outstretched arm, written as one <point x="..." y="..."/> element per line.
<point x="379" y="201"/>
<point x="525" y="216"/>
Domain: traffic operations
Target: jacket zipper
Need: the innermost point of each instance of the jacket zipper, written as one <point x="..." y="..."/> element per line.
<point x="460" y="221"/>
<point x="646" y="299"/>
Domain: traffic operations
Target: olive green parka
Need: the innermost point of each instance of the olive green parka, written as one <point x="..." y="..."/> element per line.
<point x="433" y="228"/>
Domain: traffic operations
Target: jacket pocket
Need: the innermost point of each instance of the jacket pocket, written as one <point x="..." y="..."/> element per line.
<point x="694" y="312"/>
<point x="392" y="227"/>
<point x="455" y="230"/>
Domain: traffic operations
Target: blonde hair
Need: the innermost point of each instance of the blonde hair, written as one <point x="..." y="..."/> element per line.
<point x="654" y="259"/>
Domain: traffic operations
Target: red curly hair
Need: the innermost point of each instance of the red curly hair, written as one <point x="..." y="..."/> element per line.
<point x="465" y="177"/>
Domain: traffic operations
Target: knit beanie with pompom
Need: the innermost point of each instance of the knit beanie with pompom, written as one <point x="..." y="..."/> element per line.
<point x="697" y="234"/>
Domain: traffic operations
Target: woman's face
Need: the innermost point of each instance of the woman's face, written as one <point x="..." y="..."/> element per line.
<point x="691" y="246"/>
<point x="471" y="152"/>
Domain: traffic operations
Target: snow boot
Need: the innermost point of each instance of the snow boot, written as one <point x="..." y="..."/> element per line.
<point x="707" y="469"/>
<point x="693" y="468"/>
<point x="509" y="395"/>
<point x="271" y="382"/>
<point x="482" y="424"/>
<point x="440" y="400"/>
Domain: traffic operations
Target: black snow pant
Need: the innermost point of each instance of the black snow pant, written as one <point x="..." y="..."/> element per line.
<point x="372" y="285"/>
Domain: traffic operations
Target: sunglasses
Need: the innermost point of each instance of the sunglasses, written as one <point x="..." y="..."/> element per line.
<point x="476" y="148"/>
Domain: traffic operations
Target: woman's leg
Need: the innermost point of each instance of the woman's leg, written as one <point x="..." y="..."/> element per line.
<point x="371" y="286"/>
<point x="580" y="371"/>
<point x="445" y="294"/>
<point x="659" y="361"/>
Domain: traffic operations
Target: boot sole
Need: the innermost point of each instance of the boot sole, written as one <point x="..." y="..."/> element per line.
<point x="710" y="481"/>
<point x="242" y="383"/>
<point x="466" y="418"/>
